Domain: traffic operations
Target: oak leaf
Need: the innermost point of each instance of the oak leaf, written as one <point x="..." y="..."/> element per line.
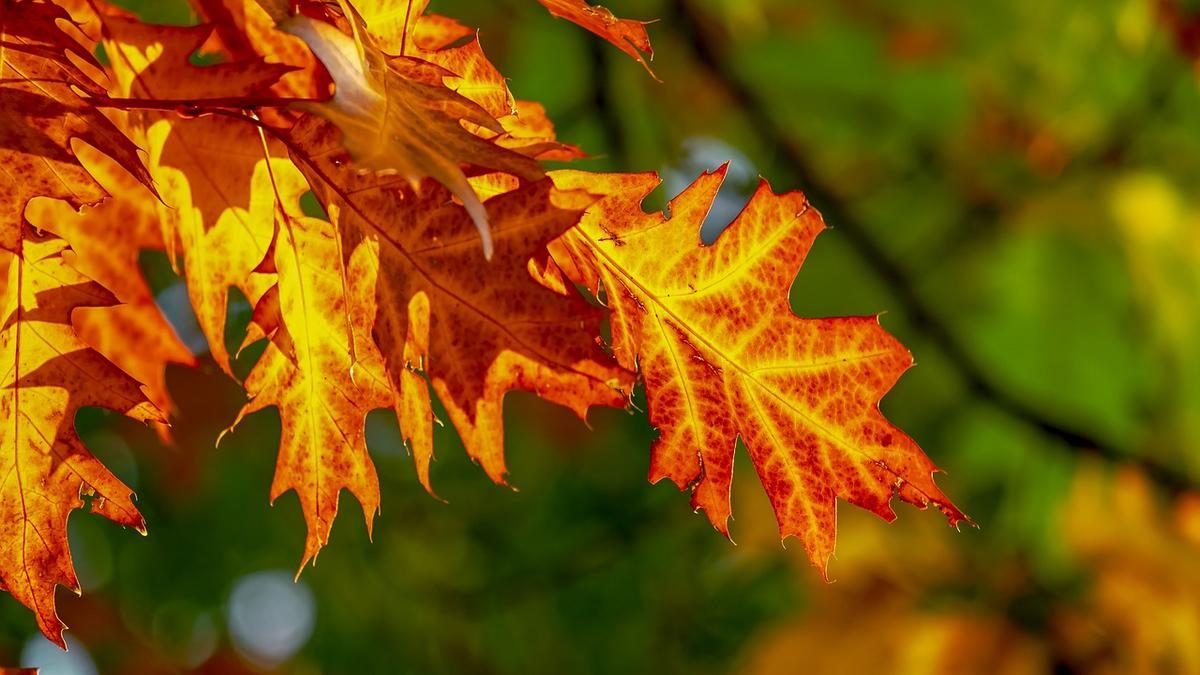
<point x="724" y="358"/>
<point x="471" y="328"/>
<point x="218" y="205"/>
<point x="47" y="73"/>
<point x="50" y="375"/>
<point x="106" y="241"/>
<point x="233" y="204"/>
<point x="393" y="297"/>
<point x="321" y="370"/>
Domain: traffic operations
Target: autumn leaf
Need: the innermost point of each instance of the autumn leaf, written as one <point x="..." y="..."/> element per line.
<point x="322" y="372"/>
<point x="626" y="34"/>
<point x="228" y="193"/>
<point x="474" y="329"/>
<point x="45" y="75"/>
<point x="218" y="206"/>
<point x="398" y="116"/>
<point x="153" y="62"/>
<point x="106" y="241"/>
<point x="43" y="72"/>
<point x="50" y="375"/>
<point x="723" y="357"/>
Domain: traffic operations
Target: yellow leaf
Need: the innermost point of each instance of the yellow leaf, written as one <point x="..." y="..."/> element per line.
<point x="218" y="202"/>
<point x="49" y="375"/>
<point x="324" y="376"/>
<point x="627" y="35"/>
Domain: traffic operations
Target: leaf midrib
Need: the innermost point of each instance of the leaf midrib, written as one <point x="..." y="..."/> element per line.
<point x="429" y="278"/>
<point x="745" y="373"/>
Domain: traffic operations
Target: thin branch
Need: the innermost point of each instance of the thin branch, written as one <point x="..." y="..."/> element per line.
<point x="197" y="105"/>
<point x="921" y="314"/>
<point x="601" y="102"/>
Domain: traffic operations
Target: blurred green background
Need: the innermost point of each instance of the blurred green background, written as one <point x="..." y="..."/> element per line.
<point x="1014" y="182"/>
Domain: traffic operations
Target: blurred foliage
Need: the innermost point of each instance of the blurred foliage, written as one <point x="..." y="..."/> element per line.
<point x="1027" y="170"/>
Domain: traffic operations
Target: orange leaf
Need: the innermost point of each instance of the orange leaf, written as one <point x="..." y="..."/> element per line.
<point x="626" y="34"/>
<point x="724" y="358"/>
<point x="105" y="244"/>
<point x="226" y="200"/>
<point x="475" y="329"/>
<point x="49" y="372"/>
<point x="50" y="375"/>
<point x="323" y="373"/>
<point x="41" y="67"/>
<point x="219" y="206"/>
<point x="153" y="62"/>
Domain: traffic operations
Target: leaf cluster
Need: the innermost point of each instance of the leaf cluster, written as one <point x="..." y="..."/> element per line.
<point x="450" y="264"/>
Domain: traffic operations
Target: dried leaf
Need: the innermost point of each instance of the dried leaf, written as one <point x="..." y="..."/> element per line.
<point x="626" y="34"/>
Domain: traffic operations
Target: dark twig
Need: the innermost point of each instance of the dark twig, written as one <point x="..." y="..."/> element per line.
<point x="893" y="274"/>
<point x="603" y="105"/>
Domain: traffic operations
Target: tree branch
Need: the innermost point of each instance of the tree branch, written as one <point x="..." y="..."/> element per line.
<point x="196" y="106"/>
<point x="920" y="313"/>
